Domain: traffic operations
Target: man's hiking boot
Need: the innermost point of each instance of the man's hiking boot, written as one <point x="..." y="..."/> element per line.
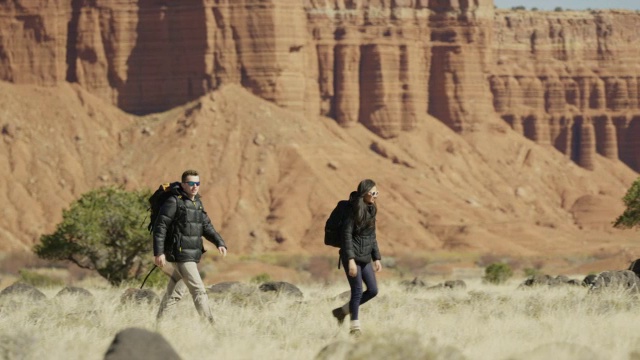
<point x="355" y="333"/>
<point x="339" y="315"/>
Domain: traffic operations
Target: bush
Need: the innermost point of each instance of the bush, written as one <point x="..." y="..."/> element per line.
<point x="630" y="218"/>
<point x="103" y="231"/>
<point x="497" y="273"/>
<point x="261" y="278"/>
<point x="529" y="272"/>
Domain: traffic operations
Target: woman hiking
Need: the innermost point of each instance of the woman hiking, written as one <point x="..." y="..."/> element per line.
<point x="359" y="254"/>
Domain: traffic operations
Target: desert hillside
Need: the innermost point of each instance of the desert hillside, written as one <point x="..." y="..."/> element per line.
<point x="271" y="176"/>
<point x="489" y="132"/>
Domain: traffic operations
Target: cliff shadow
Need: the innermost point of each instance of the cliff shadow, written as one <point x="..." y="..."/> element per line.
<point x="632" y="158"/>
<point x="166" y="66"/>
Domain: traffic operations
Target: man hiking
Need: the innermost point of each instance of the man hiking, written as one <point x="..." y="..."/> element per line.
<point x="177" y="239"/>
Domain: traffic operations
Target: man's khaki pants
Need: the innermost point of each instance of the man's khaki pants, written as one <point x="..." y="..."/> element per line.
<point x="185" y="277"/>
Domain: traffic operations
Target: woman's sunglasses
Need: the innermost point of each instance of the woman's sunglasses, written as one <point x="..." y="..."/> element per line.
<point x="374" y="193"/>
<point x="192" y="183"/>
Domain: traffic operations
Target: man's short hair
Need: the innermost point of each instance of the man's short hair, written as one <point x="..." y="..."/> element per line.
<point x="188" y="173"/>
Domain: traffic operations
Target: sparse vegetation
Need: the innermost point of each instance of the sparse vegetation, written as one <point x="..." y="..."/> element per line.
<point x="520" y="7"/>
<point x="528" y="272"/>
<point x="630" y="218"/>
<point x="480" y="322"/>
<point x="558" y="8"/>
<point x="261" y="278"/>
<point x="497" y="273"/>
<point x="103" y="231"/>
<point x="37" y="279"/>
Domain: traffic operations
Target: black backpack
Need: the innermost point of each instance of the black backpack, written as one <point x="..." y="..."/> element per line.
<point x="158" y="198"/>
<point x="333" y="226"/>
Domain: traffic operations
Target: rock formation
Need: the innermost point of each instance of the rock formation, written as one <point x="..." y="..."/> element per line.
<point x="436" y="99"/>
<point x="569" y="79"/>
<point x="572" y="72"/>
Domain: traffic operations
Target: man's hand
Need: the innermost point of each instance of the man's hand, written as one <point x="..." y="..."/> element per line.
<point x="377" y="265"/>
<point x="160" y="260"/>
<point x="222" y="250"/>
<point x="353" y="269"/>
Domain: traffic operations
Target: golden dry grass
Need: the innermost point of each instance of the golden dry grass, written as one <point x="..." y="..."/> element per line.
<point x="480" y="322"/>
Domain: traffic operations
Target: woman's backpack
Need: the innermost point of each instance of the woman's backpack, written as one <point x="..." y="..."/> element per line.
<point x="333" y="226"/>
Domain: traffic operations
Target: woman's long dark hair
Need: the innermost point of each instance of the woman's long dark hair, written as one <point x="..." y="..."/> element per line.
<point x="364" y="214"/>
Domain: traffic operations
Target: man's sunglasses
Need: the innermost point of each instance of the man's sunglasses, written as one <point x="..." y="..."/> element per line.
<point x="192" y="183"/>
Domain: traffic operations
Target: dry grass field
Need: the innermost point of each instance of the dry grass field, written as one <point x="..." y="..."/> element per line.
<point x="480" y="322"/>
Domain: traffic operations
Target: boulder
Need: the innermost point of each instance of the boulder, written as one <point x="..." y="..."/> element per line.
<point x="139" y="296"/>
<point x="615" y="280"/>
<point x="75" y="291"/>
<point x="23" y="290"/>
<point x="140" y="344"/>
<point x="281" y="287"/>
<point x="558" y="350"/>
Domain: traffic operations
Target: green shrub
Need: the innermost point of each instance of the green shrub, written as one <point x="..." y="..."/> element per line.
<point x="529" y="272"/>
<point x="103" y="231"/>
<point x="497" y="273"/>
<point x="261" y="278"/>
<point x="630" y="218"/>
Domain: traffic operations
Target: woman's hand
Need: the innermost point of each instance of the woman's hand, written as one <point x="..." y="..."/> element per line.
<point x="353" y="269"/>
<point x="222" y="250"/>
<point x="377" y="265"/>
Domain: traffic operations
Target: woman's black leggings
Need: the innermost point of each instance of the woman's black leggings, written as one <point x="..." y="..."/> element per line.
<point x="366" y="275"/>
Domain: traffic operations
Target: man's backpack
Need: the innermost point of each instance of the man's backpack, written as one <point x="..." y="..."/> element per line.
<point x="158" y="198"/>
<point x="333" y="226"/>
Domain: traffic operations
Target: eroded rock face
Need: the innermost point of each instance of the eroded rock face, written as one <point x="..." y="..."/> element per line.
<point x="568" y="79"/>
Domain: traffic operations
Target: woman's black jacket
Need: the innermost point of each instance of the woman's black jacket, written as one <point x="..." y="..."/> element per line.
<point x="179" y="229"/>
<point x="359" y="244"/>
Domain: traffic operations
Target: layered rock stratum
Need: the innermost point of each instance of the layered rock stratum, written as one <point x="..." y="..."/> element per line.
<point x="490" y="131"/>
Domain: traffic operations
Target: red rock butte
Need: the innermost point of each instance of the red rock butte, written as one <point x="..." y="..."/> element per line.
<point x="491" y="131"/>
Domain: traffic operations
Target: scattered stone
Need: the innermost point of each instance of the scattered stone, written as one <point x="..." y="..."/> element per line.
<point x="281" y="287"/>
<point x="343" y="296"/>
<point x="548" y="280"/>
<point x="623" y="279"/>
<point x="331" y="165"/>
<point x="230" y="286"/>
<point x="455" y="284"/>
<point x="589" y="280"/>
<point x="259" y="139"/>
<point x="413" y="284"/>
<point x="558" y="350"/>
<point x="140" y="344"/>
<point x="24" y="290"/>
<point x="74" y="291"/>
<point x="388" y="346"/>
<point x="139" y="296"/>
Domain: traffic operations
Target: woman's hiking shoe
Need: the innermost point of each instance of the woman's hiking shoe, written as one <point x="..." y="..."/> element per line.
<point x="355" y="333"/>
<point x="339" y="315"/>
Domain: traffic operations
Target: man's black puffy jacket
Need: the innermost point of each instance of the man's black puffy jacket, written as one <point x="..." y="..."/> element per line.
<point x="359" y="244"/>
<point x="190" y="223"/>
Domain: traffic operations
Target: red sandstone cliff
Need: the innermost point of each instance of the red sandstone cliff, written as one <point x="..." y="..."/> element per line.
<point x="569" y="79"/>
<point x="401" y="69"/>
